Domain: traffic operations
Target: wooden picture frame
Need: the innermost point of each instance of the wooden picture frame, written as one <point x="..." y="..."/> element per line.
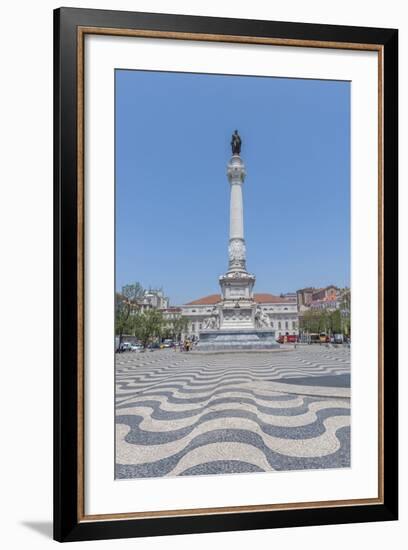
<point x="70" y="519"/>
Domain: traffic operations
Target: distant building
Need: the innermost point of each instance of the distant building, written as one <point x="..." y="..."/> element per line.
<point x="304" y="297"/>
<point x="153" y="299"/>
<point x="318" y="298"/>
<point x="327" y="293"/>
<point x="171" y="313"/>
<point x="290" y="296"/>
<point x="328" y="304"/>
<point x="282" y="313"/>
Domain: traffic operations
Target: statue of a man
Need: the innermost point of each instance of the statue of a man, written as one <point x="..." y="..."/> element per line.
<point x="236" y="143"/>
<point x="266" y="322"/>
<point x="212" y="321"/>
<point x="261" y="318"/>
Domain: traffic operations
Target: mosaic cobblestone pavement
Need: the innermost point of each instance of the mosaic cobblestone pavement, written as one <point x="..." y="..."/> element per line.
<point x="181" y="414"/>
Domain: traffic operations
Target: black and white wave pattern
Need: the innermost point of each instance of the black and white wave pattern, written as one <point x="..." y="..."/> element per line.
<point x="186" y="414"/>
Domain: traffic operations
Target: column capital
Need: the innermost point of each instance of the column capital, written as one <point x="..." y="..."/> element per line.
<point x="236" y="170"/>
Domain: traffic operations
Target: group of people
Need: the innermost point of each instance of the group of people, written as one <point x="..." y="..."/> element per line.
<point x="185" y="345"/>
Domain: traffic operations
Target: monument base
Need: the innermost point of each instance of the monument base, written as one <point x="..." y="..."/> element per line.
<point x="238" y="339"/>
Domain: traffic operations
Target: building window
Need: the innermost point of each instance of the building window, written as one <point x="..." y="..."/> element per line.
<point x="271" y="324"/>
<point x="294" y="325"/>
<point x="279" y="325"/>
<point x="286" y="324"/>
<point x="200" y="326"/>
<point x="192" y="327"/>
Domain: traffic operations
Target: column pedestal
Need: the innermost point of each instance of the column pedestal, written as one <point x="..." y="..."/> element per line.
<point x="237" y="340"/>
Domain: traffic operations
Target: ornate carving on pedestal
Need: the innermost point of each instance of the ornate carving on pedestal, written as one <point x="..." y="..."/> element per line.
<point x="236" y="250"/>
<point x="261" y="318"/>
<point x="237" y="275"/>
<point x="233" y="315"/>
<point x="212" y="322"/>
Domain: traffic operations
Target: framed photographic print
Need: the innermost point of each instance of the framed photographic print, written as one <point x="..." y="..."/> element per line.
<point x="225" y="274"/>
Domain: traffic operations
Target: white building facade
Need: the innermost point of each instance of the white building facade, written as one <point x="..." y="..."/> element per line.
<point x="282" y="313"/>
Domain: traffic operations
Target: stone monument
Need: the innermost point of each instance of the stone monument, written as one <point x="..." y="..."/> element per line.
<point x="237" y="322"/>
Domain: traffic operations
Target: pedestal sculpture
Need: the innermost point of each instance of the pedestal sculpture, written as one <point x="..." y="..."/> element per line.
<point x="238" y="323"/>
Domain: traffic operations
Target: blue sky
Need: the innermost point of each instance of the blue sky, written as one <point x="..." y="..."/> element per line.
<point x="173" y="133"/>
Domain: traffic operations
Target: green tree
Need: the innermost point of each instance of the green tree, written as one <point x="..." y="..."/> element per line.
<point x="122" y="317"/>
<point x="148" y="325"/>
<point x="335" y="322"/>
<point x="133" y="292"/>
<point x="312" y="321"/>
<point x="324" y="320"/>
<point x="179" y="325"/>
<point x="167" y="331"/>
<point x="319" y="320"/>
<point x="126" y="304"/>
<point x="345" y="308"/>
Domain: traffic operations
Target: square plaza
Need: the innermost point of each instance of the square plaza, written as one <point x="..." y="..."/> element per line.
<point x="240" y="398"/>
<point x="189" y="413"/>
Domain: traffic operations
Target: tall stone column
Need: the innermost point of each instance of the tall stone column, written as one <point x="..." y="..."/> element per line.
<point x="236" y="249"/>
<point x="236" y="325"/>
<point x="237" y="308"/>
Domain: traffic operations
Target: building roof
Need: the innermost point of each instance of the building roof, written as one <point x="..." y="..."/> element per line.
<point x="265" y="298"/>
<point x="260" y="298"/>
<point x="210" y="300"/>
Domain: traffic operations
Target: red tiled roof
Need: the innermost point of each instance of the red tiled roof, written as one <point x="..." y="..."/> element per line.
<point x="261" y="298"/>
<point x="266" y="298"/>
<point x="206" y="301"/>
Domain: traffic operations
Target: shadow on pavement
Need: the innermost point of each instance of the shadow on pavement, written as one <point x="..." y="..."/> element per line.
<point x="332" y="381"/>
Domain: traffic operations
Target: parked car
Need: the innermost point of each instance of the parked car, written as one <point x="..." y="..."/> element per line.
<point x="125" y="346"/>
<point x="136" y="347"/>
<point x="167" y="343"/>
<point x="152" y="347"/>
